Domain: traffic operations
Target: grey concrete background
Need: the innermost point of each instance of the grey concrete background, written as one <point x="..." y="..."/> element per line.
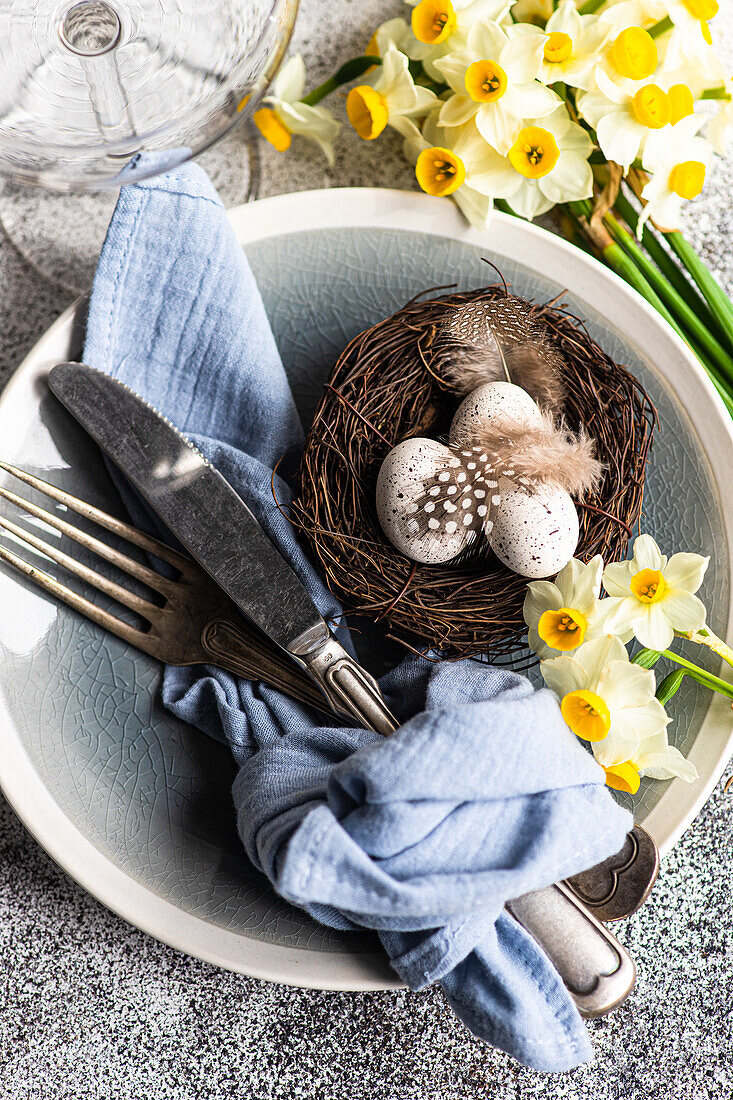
<point x="90" y="1007"/>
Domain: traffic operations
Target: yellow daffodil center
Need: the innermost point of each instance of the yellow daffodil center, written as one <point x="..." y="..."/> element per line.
<point x="650" y="106"/>
<point x="633" y="54"/>
<point x="534" y="152"/>
<point x="586" y="714"/>
<point x="367" y="110"/>
<point x="558" y="47"/>
<point x="649" y="586"/>
<point x="706" y="32"/>
<point x="563" y="629"/>
<point x="272" y="129"/>
<point x="433" y="21"/>
<point x="687" y="179"/>
<point x="681" y="102"/>
<point x="439" y="171"/>
<point x="702" y="9"/>
<point x="486" y="81"/>
<point x="623" y="777"/>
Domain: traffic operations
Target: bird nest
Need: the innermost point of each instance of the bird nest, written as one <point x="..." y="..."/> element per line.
<point x="388" y="385"/>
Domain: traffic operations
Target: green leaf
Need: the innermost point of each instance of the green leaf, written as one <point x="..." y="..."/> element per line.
<point x="670" y="685"/>
<point x="646" y="658"/>
<point x="352" y="70"/>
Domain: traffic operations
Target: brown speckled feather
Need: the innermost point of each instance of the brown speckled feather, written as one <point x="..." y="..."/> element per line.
<point x="501" y="340"/>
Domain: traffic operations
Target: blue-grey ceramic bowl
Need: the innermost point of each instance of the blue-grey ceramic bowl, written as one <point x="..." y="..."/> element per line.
<point x="134" y="804"/>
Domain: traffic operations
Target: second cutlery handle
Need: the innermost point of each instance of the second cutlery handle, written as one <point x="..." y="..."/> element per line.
<point x="236" y="651"/>
<point x="596" y="969"/>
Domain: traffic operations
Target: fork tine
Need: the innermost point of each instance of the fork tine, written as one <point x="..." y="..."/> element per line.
<point x="135" y="568"/>
<point x="102" y="618"/>
<point x="103" y="519"/>
<point x="122" y="595"/>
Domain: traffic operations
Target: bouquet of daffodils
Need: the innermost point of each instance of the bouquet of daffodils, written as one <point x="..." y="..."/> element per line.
<point x="609" y="111"/>
<point x="607" y="698"/>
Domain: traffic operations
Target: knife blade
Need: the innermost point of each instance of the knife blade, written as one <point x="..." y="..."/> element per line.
<point x="211" y="520"/>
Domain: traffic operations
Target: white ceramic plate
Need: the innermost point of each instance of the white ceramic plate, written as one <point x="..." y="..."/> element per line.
<point x="133" y="804"/>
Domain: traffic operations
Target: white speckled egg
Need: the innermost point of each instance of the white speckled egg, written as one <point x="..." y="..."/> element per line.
<point x="535" y="534"/>
<point x="491" y="400"/>
<point x="400" y="483"/>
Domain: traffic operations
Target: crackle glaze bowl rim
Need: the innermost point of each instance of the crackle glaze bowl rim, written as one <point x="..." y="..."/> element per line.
<point x="375" y="209"/>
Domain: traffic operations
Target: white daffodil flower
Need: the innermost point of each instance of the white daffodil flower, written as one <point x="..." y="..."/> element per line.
<point x="442" y="25"/>
<point x="623" y="121"/>
<point x="677" y="160"/>
<point x="453" y="162"/>
<point x="391" y="100"/>
<point x="719" y="130"/>
<point x="397" y="33"/>
<point x="654" y="757"/>
<point x="571" y="43"/>
<point x="630" y="54"/>
<point x="691" y="46"/>
<point x="689" y="15"/>
<point x="493" y="80"/>
<point x="605" y="699"/>
<point x="653" y="596"/>
<point x="563" y="614"/>
<point x="546" y="164"/>
<point x="532" y="11"/>
<point x="284" y="115"/>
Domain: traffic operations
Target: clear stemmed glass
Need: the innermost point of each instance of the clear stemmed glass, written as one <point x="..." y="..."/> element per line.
<point x="87" y="84"/>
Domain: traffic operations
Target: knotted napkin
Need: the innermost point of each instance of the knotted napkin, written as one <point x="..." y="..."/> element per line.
<point x="482" y="795"/>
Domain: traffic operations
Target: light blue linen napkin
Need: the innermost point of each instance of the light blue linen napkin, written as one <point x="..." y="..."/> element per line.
<point x="483" y="793"/>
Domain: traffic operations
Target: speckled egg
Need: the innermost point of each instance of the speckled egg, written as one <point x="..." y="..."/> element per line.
<point x="491" y="400"/>
<point x="535" y="534"/>
<point x="400" y="483"/>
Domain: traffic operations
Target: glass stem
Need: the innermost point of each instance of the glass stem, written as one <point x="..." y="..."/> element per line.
<point x="109" y="100"/>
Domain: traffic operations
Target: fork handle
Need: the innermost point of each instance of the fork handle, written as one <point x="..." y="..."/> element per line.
<point x="239" y="652"/>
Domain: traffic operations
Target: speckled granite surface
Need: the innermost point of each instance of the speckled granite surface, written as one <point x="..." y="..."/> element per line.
<point x="90" y="1007"/>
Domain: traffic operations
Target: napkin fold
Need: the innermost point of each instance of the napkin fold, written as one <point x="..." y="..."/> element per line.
<point x="482" y="794"/>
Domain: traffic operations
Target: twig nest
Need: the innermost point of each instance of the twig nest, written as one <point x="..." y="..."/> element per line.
<point x="392" y="383"/>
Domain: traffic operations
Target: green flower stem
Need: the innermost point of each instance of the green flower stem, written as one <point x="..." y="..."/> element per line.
<point x="617" y="259"/>
<point x="700" y="675"/>
<point x="661" y="27"/>
<point x="721" y="92"/>
<point x="350" y="70"/>
<point x="686" y="318"/>
<point x="704" y="636"/>
<point x="665" y="261"/>
<point x="590" y="6"/>
<point x="719" y="302"/>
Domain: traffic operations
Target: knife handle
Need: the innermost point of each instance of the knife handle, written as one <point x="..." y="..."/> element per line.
<point x="348" y="687"/>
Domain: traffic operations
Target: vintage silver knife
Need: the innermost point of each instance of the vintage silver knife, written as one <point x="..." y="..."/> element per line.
<point x="212" y="521"/>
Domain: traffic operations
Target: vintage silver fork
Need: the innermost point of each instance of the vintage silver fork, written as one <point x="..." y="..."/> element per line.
<point x="195" y="623"/>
